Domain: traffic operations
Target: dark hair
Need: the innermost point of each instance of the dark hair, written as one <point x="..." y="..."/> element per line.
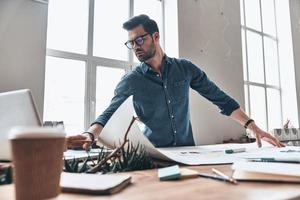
<point x="149" y="25"/>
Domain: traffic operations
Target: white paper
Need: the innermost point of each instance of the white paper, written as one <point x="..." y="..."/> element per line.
<point x="211" y="154"/>
<point x="114" y="131"/>
<point x="285" y="153"/>
<point x="268" y="168"/>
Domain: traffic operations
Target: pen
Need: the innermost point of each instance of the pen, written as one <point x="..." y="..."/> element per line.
<point x="231" y="180"/>
<point x="216" y="177"/>
<point x="282" y="160"/>
<point x="239" y="150"/>
<point x="290" y="151"/>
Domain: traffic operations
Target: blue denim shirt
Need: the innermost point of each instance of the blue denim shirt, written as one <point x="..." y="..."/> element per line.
<point x="162" y="102"/>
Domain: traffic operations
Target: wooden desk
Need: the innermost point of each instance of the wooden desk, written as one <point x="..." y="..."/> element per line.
<point x="145" y="185"/>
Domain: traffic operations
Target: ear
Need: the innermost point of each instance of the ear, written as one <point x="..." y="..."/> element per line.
<point x="156" y="36"/>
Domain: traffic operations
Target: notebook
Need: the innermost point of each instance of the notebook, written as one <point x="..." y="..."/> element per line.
<point x="266" y="171"/>
<point x="93" y="183"/>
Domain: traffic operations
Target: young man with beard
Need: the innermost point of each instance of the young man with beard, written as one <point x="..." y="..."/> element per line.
<point x="160" y="88"/>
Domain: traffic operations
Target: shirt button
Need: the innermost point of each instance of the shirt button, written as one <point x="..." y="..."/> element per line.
<point x="165" y="86"/>
<point x="175" y="131"/>
<point x="172" y="116"/>
<point x="169" y="101"/>
<point x="157" y="75"/>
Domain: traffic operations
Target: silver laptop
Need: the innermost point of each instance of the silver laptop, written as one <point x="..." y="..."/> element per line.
<point x="17" y="108"/>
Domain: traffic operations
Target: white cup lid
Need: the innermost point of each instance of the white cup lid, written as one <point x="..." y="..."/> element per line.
<point x="35" y="132"/>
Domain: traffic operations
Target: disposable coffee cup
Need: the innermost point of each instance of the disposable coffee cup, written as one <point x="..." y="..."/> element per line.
<point x="37" y="161"/>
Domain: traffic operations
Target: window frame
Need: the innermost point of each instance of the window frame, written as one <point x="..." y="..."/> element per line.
<point x="264" y="85"/>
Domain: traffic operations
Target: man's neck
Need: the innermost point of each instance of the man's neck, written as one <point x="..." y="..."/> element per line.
<point x="155" y="62"/>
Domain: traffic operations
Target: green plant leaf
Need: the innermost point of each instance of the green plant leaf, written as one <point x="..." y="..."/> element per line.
<point x="67" y="167"/>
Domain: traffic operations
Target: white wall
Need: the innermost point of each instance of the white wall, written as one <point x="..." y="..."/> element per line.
<point x="210" y="36"/>
<point x="295" y="24"/>
<point x="22" y="47"/>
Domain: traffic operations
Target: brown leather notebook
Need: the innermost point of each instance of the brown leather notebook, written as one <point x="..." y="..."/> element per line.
<point x="93" y="183"/>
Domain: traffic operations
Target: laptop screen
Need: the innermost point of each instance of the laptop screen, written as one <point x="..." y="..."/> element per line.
<point x="17" y="108"/>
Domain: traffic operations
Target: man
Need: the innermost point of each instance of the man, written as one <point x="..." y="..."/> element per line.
<point x="160" y="89"/>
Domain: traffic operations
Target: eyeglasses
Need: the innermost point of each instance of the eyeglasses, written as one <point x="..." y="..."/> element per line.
<point x="138" y="41"/>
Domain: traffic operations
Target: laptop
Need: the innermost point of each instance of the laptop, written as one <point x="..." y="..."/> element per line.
<point x="17" y="108"/>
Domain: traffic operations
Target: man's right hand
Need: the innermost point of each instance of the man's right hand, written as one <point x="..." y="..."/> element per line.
<point x="79" y="141"/>
<point x="84" y="140"/>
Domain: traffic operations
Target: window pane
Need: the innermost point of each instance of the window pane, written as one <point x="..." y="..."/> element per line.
<point x="274" y="111"/>
<point x="64" y="93"/>
<point x="252" y="10"/>
<point x="109" y="36"/>
<point x="271" y="62"/>
<point x="153" y="9"/>
<point x="68" y="25"/>
<point x="255" y="57"/>
<point x="107" y="80"/>
<point x="244" y="55"/>
<point x="258" y="105"/>
<point x="268" y="17"/>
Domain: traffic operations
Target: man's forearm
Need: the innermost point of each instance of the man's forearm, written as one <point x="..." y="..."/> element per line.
<point x="240" y="116"/>
<point x="95" y="129"/>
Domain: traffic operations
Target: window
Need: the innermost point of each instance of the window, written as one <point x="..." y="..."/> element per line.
<point x="107" y="80"/>
<point x="68" y="32"/>
<point x="64" y="96"/>
<point x="109" y="36"/>
<point x="86" y="56"/>
<point x="263" y="91"/>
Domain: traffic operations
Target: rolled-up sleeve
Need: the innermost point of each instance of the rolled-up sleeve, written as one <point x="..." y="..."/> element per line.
<point x="121" y="93"/>
<point x="208" y="89"/>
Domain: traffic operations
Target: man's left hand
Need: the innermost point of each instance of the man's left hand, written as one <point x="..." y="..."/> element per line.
<point x="262" y="135"/>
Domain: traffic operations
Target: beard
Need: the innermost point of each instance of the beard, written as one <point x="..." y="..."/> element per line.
<point x="143" y="56"/>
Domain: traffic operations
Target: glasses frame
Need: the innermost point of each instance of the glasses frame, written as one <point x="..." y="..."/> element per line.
<point x="134" y="41"/>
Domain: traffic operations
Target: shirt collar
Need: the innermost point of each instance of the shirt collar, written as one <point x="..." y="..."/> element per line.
<point x="168" y="59"/>
<point x="146" y="68"/>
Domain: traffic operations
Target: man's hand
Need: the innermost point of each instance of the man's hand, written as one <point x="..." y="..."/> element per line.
<point x="84" y="140"/>
<point x="240" y="116"/>
<point x="262" y="135"/>
<point x="79" y="141"/>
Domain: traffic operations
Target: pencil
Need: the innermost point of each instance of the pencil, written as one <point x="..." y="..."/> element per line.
<point x="216" y="177"/>
<point x="231" y="180"/>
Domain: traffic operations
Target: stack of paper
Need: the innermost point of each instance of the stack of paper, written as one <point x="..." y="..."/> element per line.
<point x="266" y="171"/>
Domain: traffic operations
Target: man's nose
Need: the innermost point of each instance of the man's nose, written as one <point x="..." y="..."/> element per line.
<point x="135" y="45"/>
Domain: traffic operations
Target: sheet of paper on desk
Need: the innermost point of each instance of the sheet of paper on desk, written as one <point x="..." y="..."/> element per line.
<point x="289" y="152"/>
<point x="114" y="131"/>
<point x="208" y="154"/>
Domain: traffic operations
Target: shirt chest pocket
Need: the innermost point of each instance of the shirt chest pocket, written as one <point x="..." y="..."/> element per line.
<point x="180" y="90"/>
